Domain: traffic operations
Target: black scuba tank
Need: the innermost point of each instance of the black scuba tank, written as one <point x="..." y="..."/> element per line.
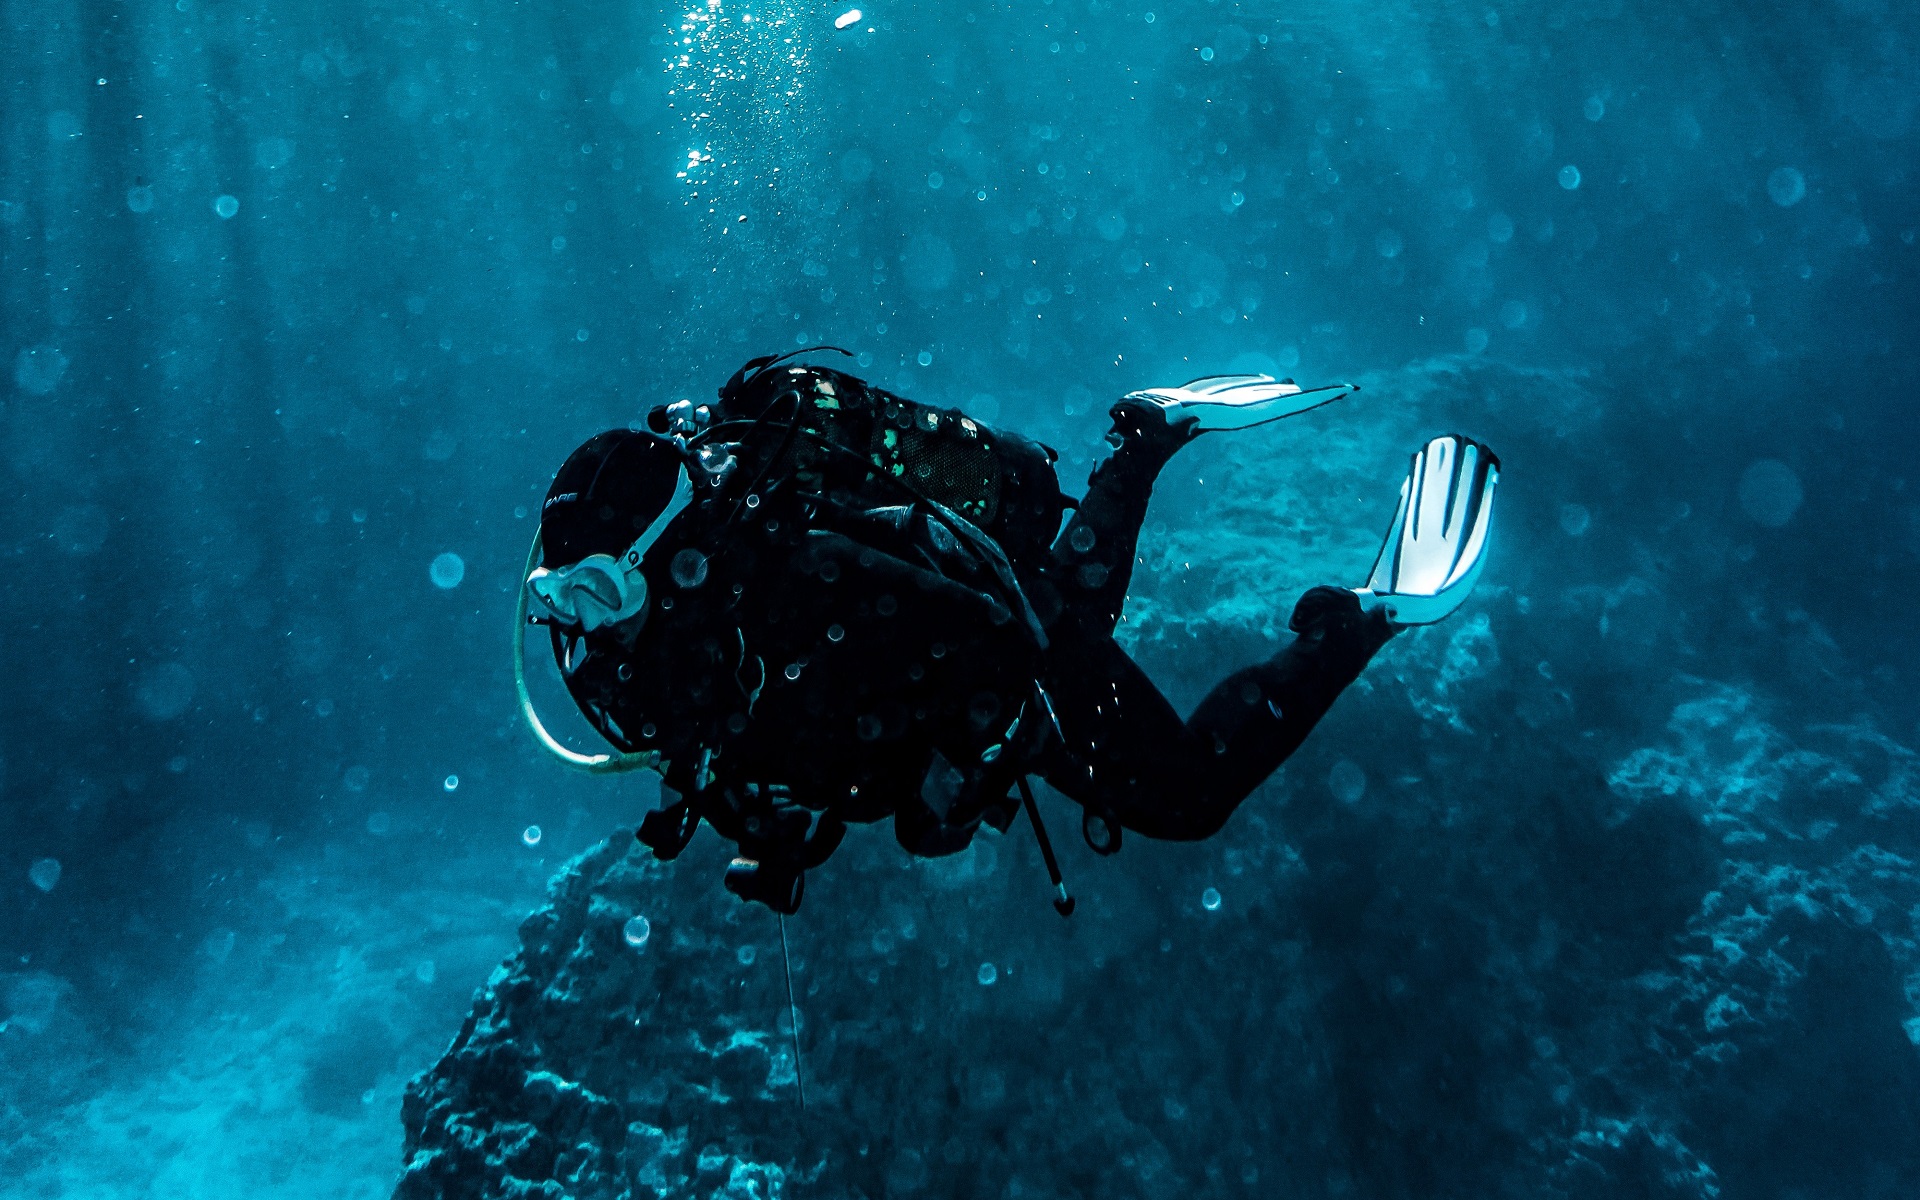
<point x="878" y="447"/>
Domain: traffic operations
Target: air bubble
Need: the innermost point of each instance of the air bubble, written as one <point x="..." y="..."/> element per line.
<point x="1770" y="492"/>
<point x="1082" y="538"/>
<point x="987" y="974"/>
<point x="1786" y="186"/>
<point x="81" y="529"/>
<point x="531" y="835"/>
<point x="447" y="570"/>
<point x="225" y="207"/>
<point x="746" y="955"/>
<point x="45" y="873"/>
<point x="1210" y="899"/>
<point x="835" y="633"/>
<point x="1569" y="177"/>
<point x="637" y="930"/>
<point x="689" y="568"/>
<point x="164" y="691"/>
<point x="38" y="369"/>
<point x="451" y="783"/>
<point x="924" y="358"/>
<point x="1347" y="781"/>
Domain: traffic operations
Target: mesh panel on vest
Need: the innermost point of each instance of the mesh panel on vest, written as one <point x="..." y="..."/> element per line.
<point x="943" y="456"/>
<point x="939" y="454"/>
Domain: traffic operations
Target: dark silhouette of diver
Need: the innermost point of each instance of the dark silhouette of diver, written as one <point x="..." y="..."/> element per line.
<point x="816" y="602"/>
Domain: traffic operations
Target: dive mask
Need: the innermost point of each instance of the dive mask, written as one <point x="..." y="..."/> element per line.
<point x="601" y="590"/>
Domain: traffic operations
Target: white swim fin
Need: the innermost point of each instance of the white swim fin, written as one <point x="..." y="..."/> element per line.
<point x="1227" y="402"/>
<point x="1437" y="543"/>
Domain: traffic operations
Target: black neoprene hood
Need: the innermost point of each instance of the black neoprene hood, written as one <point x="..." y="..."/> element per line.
<point x="606" y="494"/>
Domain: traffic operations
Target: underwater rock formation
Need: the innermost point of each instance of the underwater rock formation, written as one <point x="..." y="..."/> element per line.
<point x="1582" y="994"/>
<point x="538" y="1094"/>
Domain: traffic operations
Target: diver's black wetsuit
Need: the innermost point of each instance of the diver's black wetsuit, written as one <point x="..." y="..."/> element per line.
<point x="1125" y="753"/>
<point x="867" y="614"/>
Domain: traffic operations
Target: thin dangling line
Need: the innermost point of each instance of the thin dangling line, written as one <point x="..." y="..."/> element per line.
<point x="1063" y="899"/>
<point x="793" y="1013"/>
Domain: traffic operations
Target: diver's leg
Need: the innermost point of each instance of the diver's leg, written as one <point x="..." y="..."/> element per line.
<point x="1121" y="743"/>
<point x="1091" y="563"/>
<point x="1129" y="757"/>
<point x="1254" y="719"/>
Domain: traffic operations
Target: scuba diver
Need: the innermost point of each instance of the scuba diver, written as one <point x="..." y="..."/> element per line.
<point x="816" y="603"/>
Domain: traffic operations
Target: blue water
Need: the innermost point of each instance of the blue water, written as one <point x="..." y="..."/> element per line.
<point x="1607" y="886"/>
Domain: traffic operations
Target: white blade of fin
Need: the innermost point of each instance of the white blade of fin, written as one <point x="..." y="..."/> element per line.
<point x="1436" y="545"/>
<point x="1230" y="402"/>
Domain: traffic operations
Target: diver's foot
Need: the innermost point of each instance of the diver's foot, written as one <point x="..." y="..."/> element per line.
<point x="1337" y="613"/>
<point x="1149" y="428"/>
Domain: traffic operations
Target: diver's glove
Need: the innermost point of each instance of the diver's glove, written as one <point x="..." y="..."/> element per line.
<point x="1438" y="540"/>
